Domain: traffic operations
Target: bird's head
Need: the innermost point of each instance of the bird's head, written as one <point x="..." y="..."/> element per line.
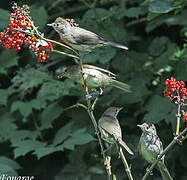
<point x="59" y="24"/>
<point x="112" y="111"/>
<point x="147" y="128"/>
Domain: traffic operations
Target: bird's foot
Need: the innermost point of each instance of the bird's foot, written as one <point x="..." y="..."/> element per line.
<point x="149" y="171"/>
<point x="88" y="96"/>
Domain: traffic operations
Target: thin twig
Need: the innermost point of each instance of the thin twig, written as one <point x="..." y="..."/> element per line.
<point x="76" y="106"/>
<point x="123" y="159"/>
<point x="127" y="168"/>
<point x="173" y="142"/>
<point x="90" y="112"/>
<point x="178" y="120"/>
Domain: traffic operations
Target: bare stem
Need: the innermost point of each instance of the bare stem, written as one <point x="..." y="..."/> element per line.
<point x="173" y="142"/>
<point x="122" y="156"/>
<point x="178" y="120"/>
<point x="126" y="166"/>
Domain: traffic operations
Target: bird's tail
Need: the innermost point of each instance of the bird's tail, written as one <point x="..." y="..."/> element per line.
<point x="164" y="171"/>
<point x="122" y="143"/>
<point x="120" y="85"/>
<point x="116" y="45"/>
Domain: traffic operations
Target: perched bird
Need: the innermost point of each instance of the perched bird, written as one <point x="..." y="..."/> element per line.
<point x="79" y="38"/>
<point x="150" y="147"/>
<point x="95" y="77"/>
<point x="109" y="127"/>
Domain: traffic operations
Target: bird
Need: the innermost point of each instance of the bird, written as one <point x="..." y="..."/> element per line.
<point x="96" y="77"/>
<point x="150" y="147"/>
<point x="110" y="129"/>
<point x="79" y="38"/>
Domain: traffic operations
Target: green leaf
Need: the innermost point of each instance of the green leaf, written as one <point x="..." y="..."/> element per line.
<point x="8" y="59"/>
<point x="9" y="162"/>
<point x="44" y="151"/>
<point x="24" y="108"/>
<point x="159" y="108"/>
<point x="39" y="16"/>
<point x="4" y="94"/>
<point x="158" y="45"/>
<point x="7" y="125"/>
<point x="52" y="112"/>
<point x="4" y="18"/>
<point x="159" y="6"/>
<point x="21" y="135"/>
<point x="134" y="12"/>
<point x="63" y="133"/>
<point x="26" y="146"/>
<point x="103" y="55"/>
<point x="29" y="78"/>
<point x="79" y="137"/>
<point x="51" y="90"/>
<point x="7" y="170"/>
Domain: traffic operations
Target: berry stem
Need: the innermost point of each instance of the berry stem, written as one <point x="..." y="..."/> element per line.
<point x="178" y="120"/>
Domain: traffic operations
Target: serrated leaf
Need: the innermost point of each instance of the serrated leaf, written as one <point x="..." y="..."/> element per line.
<point x="21" y="135"/>
<point x="30" y="78"/>
<point x="26" y="146"/>
<point x="51" y="112"/>
<point x="44" y="151"/>
<point x="4" y="18"/>
<point x="8" y="59"/>
<point x="79" y="137"/>
<point x="160" y="7"/>
<point x="39" y="16"/>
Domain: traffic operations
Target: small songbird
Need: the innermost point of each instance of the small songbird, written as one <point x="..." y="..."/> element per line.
<point x="109" y="127"/>
<point x="95" y="77"/>
<point x="150" y="147"/>
<point x="79" y="38"/>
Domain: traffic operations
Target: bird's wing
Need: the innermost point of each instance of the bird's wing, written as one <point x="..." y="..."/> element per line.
<point x="99" y="69"/>
<point x="112" y="127"/>
<point x="83" y="36"/>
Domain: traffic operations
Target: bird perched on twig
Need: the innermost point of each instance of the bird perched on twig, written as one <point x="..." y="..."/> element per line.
<point x="150" y="147"/>
<point x="110" y="129"/>
<point x="95" y="77"/>
<point x="79" y="38"/>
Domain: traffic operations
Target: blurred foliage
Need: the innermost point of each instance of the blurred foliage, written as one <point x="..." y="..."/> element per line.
<point x="41" y="137"/>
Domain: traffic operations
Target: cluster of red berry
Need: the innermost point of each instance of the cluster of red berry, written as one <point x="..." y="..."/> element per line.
<point x="20" y="32"/>
<point x="175" y="91"/>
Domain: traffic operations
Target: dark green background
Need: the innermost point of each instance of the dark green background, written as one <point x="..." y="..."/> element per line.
<point x="38" y="137"/>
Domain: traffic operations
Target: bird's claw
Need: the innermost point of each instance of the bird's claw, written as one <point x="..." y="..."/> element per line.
<point x="149" y="171"/>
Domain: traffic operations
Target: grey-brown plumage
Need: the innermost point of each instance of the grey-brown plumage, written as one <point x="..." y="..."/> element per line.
<point x="150" y="147"/>
<point x="79" y="38"/>
<point x="109" y="126"/>
<point x="95" y="77"/>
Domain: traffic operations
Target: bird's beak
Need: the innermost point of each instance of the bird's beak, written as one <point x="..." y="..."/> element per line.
<point x="139" y="125"/>
<point x="50" y="24"/>
<point x="120" y="108"/>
